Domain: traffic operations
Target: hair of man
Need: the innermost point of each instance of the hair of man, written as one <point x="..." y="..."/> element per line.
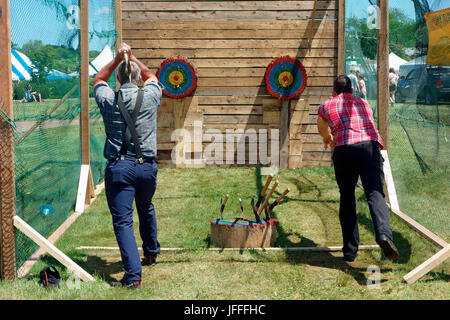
<point x="342" y="84"/>
<point x="123" y="75"/>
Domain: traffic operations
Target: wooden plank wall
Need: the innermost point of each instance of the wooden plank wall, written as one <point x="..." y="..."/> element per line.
<point x="231" y="44"/>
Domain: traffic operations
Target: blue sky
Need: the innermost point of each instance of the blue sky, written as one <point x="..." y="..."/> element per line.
<point x="358" y="8"/>
<point x="33" y="20"/>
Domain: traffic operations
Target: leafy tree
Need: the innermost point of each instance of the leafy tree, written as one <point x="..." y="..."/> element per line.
<point x="403" y="33"/>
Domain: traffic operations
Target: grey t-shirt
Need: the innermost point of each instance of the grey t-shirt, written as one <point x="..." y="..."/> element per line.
<point x="115" y="125"/>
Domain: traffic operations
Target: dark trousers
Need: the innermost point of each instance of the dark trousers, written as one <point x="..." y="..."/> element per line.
<point x="350" y="162"/>
<point x="125" y="181"/>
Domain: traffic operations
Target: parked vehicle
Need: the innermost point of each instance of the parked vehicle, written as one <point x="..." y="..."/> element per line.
<point x="427" y="84"/>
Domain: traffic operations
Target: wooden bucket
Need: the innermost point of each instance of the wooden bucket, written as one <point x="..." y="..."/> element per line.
<point x="243" y="233"/>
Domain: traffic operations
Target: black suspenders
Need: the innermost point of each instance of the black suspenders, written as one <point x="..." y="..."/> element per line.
<point x="130" y="121"/>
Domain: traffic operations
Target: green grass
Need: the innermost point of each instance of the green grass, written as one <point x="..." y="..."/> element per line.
<point x="186" y="200"/>
<point x="32" y="111"/>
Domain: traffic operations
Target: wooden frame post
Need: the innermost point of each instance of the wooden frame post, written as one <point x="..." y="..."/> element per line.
<point x="284" y="134"/>
<point x="118" y="21"/>
<point x="84" y="92"/>
<point x="383" y="72"/>
<point x="341" y="38"/>
<point x="7" y="176"/>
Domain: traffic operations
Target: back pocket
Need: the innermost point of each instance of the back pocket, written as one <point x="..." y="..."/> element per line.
<point x="116" y="174"/>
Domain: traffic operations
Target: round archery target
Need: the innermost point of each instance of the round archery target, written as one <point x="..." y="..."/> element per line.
<point x="285" y="78"/>
<point x="178" y="77"/>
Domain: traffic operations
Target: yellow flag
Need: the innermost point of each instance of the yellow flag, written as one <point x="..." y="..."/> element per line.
<point x="438" y="24"/>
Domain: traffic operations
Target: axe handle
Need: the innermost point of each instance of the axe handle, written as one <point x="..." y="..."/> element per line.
<point x="264" y="190"/>
<point x="268" y="197"/>
<point x="222" y="206"/>
<point x="255" y="211"/>
<point x="276" y="202"/>
<point x="266" y="186"/>
<point x="283" y="195"/>
<point x="226" y="199"/>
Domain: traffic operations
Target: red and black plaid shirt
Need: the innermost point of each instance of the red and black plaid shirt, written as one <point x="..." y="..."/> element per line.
<point x="350" y="119"/>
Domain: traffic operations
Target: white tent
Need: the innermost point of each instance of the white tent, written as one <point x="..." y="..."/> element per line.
<point x="395" y="61"/>
<point x="21" y="66"/>
<point x="100" y="61"/>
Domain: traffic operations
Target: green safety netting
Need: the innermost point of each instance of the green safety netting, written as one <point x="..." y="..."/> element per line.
<point x="47" y="137"/>
<point x="419" y="113"/>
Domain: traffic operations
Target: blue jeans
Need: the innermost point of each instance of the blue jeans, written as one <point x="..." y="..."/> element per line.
<point x="127" y="180"/>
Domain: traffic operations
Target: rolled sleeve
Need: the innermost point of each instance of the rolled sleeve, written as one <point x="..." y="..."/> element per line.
<point x="321" y="112"/>
<point x="154" y="89"/>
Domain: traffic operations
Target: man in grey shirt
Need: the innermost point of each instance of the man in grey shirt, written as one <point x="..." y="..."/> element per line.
<point x="128" y="178"/>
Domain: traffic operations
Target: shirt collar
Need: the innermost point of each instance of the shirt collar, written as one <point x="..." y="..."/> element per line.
<point x="128" y="85"/>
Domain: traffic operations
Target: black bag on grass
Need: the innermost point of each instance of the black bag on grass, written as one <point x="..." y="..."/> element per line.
<point x="50" y="277"/>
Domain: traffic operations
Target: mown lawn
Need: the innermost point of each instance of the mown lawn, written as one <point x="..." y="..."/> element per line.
<point x="187" y="199"/>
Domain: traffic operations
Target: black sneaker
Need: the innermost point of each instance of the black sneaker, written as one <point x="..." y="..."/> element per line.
<point x="389" y="249"/>
<point x="130" y="285"/>
<point x="149" y="261"/>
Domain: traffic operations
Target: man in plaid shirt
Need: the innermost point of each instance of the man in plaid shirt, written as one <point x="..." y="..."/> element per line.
<point x="126" y="177"/>
<point x="356" y="143"/>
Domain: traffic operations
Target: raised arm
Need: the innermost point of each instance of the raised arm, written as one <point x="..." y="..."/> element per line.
<point x="146" y="74"/>
<point x="105" y="73"/>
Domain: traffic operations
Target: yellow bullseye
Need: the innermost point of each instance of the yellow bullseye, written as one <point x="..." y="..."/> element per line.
<point x="176" y="78"/>
<point x="285" y="79"/>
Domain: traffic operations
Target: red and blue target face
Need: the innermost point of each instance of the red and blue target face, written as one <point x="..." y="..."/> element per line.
<point x="178" y="77"/>
<point x="285" y="78"/>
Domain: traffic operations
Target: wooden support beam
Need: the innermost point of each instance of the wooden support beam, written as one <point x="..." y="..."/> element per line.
<point x="313" y="18"/>
<point x="428" y="265"/>
<point x="83" y="188"/>
<point x="312" y="249"/>
<point x="51" y="249"/>
<point x="84" y="92"/>
<point x="383" y="72"/>
<point x="84" y="79"/>
<point x="341" y="38"/>
<point x="389" y="179"/>
<point x="7" y="176"/>
<point x="284" y="134"/>
<point x="424" y="232"/>
<point x="118" y="21"/>
<point x="38" y="254"/>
